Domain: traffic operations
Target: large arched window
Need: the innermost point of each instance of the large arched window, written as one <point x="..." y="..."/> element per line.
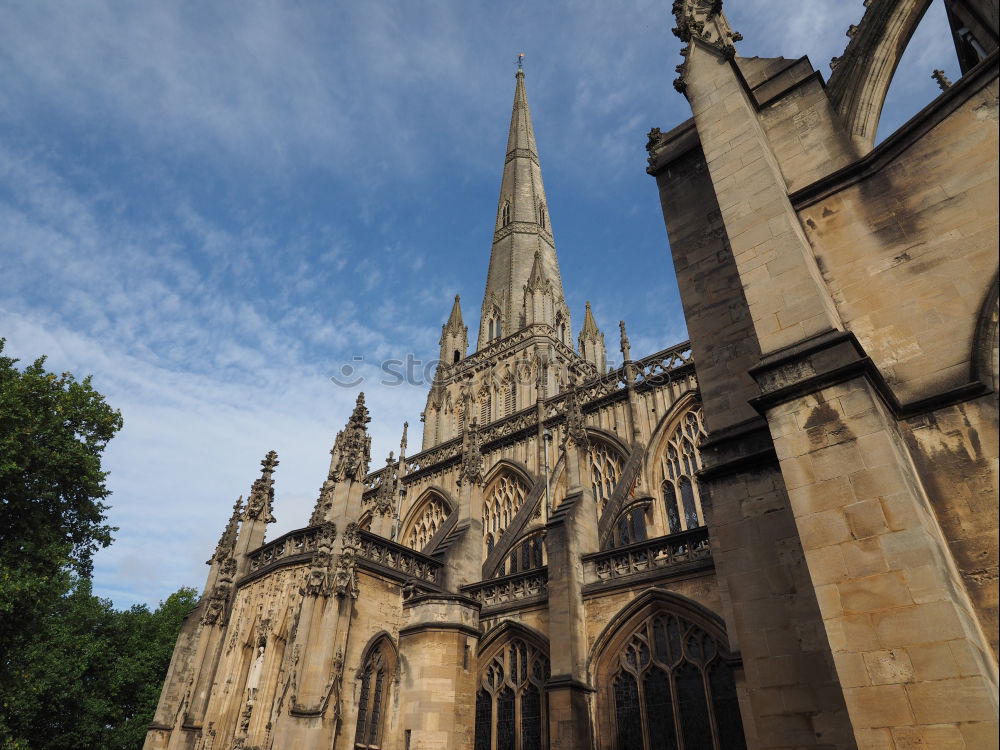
<point x="376" y="676"/>
<point x="527" y="554"/>
<point x="679" y="461"/>
<point x="510" y="705"/>
<point x="428" y="519"/>
<point x="630" y="527"/>
<point x="485" y="406"/>
<point x="670" y="685"/>
<point x="502" y="499"/>
<point x="605" y="471"/>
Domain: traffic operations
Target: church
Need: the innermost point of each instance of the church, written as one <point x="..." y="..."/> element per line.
<point x="779" y="534"/>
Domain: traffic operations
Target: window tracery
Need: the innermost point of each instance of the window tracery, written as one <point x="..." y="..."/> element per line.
<point x="630" y="526"/>
<point x="376" y="676"/>
<point x="503" y="498"/>
<point x="672" y="683"/>
<point x="528" y="554"/>
<point x="605" y="471"/>
<point x="679" y="463"/>
<point x="510" y="712"/>
<point x="426" y="523"/>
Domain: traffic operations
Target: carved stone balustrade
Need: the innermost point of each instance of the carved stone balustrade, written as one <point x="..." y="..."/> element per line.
<point x="510" y="592"/>
<point x="288" y="549"/>
<point x="397" y="561"/>
<point x="680" y="553"/>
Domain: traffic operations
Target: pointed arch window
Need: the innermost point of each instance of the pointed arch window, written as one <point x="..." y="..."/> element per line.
<point x="510" y="710"/>
<point x="528" y="554"/>
<point x="502" y="500"/>
<point x="672" y="686"/>
<point x="679" y="463"/>
<point x="630" y="526"/>
<point x="510" y="398"/>
<point x="605" y="471"/>
<point x="422" y="528"/>
<point x="376" y="676"/>
<point x="485" y="407"/>
<point x="542" y="217"/>
<point x="505" y="213"/>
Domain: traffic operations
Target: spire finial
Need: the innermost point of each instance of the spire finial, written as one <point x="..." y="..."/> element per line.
<point x="520" y="62"/>
<point x="626" y="347"/>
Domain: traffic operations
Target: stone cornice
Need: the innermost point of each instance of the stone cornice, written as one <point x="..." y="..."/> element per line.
<point x="524" y="227"/>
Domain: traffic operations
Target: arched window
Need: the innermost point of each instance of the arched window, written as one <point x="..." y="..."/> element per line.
<point x="376" y="677"/>
<point x="432" y="514"/>
<point x="510" y="710"/>
<point x="510" y="398"/>
<point x="630" y="527"/>
<point x="457" y="356"/>
<point x="493" y="325"/>
<point x="502" y="499"/>
<point x="672" y="682"/>
<point x="605" y="471"/>
<point x="541" y="215"/>
<point x="528" y="554"/>
<point x="679" y="462"/>
<point x="485" y="407"/>
<point x="505" y="213"/>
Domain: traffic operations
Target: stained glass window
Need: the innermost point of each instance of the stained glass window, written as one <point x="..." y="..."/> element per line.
<point x="428" y="520"/>
<point x="605" y="471"/>
<point x="376" y="673"/>
<point x="511" y="688"/>
<point x="679" y="462"/>
<point x="671" y="681"/>
<point x="502" y="500"/>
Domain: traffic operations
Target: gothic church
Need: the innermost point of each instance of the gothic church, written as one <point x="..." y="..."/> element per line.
<point x="781" y="534"/>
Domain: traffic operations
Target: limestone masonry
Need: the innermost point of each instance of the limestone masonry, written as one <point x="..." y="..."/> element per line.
<point x="781" y="534"/>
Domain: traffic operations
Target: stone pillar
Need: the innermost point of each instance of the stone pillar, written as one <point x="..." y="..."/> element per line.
<point x="570" y="533"/>
<point x="438" y="672"/>
<point x="913" y="662"/>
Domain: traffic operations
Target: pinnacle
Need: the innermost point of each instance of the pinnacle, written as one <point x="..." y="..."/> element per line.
<point x="590" y="329"/>
<point x="455" y="319"/>
<point x="537" y="278"/>
<point x="360" y="416"/>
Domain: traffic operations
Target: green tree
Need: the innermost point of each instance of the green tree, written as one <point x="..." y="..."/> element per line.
<point x="90" y="678"/>
<point x="53" y="430"/>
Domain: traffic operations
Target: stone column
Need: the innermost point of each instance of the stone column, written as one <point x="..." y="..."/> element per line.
<point x="570" y="533"/>
<point x="438" y="671"/>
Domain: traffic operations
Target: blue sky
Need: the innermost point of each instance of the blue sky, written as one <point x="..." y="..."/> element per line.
<point x="212" y="206"/>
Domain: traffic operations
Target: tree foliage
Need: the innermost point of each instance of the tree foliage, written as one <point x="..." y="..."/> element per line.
<point x="53" y="430"/>
<point x="74" y="672"/>
<point x="91" y="677"/>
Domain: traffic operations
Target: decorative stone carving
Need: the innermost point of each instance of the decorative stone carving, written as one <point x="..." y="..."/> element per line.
<point x="472" y="457"/>
<point x="261" y="498"/>
<point x="227" y="542"/>
<point x="345" y="578"/>
<point x="702" y="21"/>
<point x="385" y="500"/>
<point x="352" y="449"/>
<point x="319" y="580"/>
<point x="575" y="427"/>
<point x="215" y="607"/>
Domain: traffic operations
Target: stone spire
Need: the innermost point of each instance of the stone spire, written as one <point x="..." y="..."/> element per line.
<point x="352" y="450"/>
<point x="257" y="513"/>
<point x="227" y="542"/>
<point x="261" y="500"/>
<point x="454" y="336"/>
<point x="522" y="230"/>
<point x="591" y="342"/>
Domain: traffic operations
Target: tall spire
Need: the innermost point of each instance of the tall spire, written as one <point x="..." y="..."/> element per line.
<point x="522" y="229"/>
